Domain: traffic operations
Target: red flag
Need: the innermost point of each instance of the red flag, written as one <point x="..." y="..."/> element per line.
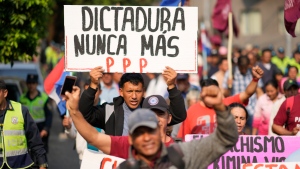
<point x="291" y="15"/>
<point x="220" y="16"/>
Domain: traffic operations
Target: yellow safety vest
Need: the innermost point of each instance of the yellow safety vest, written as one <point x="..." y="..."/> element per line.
<point x="36" y="106"/>
<point x="13" y="139"/>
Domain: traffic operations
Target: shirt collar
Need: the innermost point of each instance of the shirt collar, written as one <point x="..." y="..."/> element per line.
<point x="163" y="152"/>
<point x="9" y="105"/>
<point x="38" y="95"/>
<point x="279" y="96"/>
<point x="247" y="73"/>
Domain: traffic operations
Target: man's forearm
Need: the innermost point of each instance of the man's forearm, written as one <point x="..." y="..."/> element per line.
<point x="177" y="106"/>
<point x="88" y="132"/>
<point x="250" y="90"/>
<point x="280" y="130"/>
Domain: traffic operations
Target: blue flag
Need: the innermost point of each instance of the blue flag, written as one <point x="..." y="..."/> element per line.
<point x="172" y="2"/>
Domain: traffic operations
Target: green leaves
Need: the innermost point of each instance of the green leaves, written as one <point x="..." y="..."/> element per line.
<point x="22" y="24"/>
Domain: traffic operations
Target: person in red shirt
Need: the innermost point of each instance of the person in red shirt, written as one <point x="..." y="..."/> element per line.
<point x="292" y="119"/>
<point x="201" y="119"/>
<point x="119" y="145"/>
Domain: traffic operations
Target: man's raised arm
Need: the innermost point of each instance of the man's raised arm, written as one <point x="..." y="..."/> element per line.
<point x="253" y="87"/>
<point x="95" y="115"/>
<point x="177" y="107"/>
<point x="201" y="153"/>
<point x="88" y="132"/>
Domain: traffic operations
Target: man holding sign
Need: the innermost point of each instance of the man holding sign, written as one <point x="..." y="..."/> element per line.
<point x="113" y="117"/>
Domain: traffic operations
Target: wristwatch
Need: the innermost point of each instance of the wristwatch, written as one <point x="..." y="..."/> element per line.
<point x="44" y="165"/>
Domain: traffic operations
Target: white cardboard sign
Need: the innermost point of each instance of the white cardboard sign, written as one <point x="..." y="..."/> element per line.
<point x="97" y="160"/>
<point x="131" y="39"/>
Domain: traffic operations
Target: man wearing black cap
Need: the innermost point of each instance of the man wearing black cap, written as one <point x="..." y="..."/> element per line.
<point x="37" y="103"/>
<point x="287" y="119"/>
<point x="281" y="61"/>
<point x="19" y="133"/>
<point x="119" y="145"/>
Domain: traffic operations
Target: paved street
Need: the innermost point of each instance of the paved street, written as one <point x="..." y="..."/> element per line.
<point x="61" y="153"/>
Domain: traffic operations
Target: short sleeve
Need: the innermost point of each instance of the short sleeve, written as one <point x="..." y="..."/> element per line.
<point x="119" y="146"/>
<point x="281" y="116"/>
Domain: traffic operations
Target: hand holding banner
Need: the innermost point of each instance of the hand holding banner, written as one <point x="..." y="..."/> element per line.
<point x="131" y="39"/>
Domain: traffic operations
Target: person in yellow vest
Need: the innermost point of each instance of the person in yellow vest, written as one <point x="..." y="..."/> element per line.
<point x="18" y="134"/>
<point x="37" y="103"/>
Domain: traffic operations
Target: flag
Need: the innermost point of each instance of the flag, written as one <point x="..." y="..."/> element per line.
<point x="172" y="3"/>
<point x="291" y="15"/>
<point x="53" y="84"/>
<point x="206" y="45"/>
<point x="220" y="17"/>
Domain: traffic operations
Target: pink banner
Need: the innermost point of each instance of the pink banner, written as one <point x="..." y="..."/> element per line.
<point x="257" y="149"/>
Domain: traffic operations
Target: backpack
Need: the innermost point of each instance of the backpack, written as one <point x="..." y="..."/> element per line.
<point x="289" y="106"/>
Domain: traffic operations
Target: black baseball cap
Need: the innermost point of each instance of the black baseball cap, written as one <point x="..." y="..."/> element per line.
<point x="289" y="83"/>
<point x="182" y="76"/>
<point x="155" y="102"/>
<point x="32" y="78"/>
<point x="2" y="84"/>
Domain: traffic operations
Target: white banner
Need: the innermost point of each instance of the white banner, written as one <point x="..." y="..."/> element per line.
<point x="131" y="39"/>
<point x="95" y="160"/>
<point x="284" y="165"/>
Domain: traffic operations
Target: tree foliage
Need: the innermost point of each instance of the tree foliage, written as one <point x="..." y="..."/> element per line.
<point x="22" y="24"/>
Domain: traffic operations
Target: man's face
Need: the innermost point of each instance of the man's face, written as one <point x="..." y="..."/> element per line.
<point x="132" y="94"/>
<point x="297" y="57"/>
<point x="224" y="65"/>
<point x="292" y="91"/>
<point x="239" y="115"/>
<point x="266" y="58"/>
<point x="243" y="69"/>
<point x="107" y="78"/>
<point x="292" y="74"/>
<point x="32" y="87"/>
<point x="146" y="141"/>
<point x="252" y="58"/>
<point x="3" y="94"/>
<point x="164" y="118"/>
<point x="280" y="55"/>
<point x="183" y="85"/>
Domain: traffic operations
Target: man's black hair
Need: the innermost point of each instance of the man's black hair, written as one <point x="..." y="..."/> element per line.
<point x="208" y="82"/>
<point x="134" y="78"/>
<point x="243" y="61"/>
<point x="266" y="50"/>
<point x="2" y="84"/>
<point x="221" y="61"/>
<point x="290" y="67"/>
